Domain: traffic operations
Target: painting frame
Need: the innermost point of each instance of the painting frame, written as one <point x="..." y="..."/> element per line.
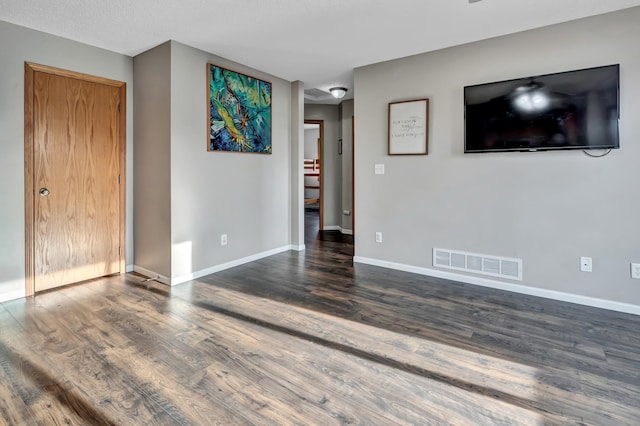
<point x="408" y="126"/>
<point x="238" y="112"/>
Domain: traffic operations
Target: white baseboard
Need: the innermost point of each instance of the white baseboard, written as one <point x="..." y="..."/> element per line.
<point x="516" y="288"/>
<point x="179" y="280"/>
<point x="18" y="294"/>
<point x="338" y="228"/>
<point x="233" y="263"/>
<point x="12" y="289"/>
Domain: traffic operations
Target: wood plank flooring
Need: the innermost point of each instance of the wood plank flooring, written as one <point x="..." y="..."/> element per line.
<point x="309" y="339"/>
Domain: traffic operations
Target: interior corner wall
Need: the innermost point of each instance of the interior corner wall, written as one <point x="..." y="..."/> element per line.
<point x="20" y="44"/>
<point x="152" y="154"/>
<point x="296" y="168"/>
<point x="332" y="167"/>
<point x="347" y="112"/>
<point x="547" y="208"/>
<point x="245" y="196"/>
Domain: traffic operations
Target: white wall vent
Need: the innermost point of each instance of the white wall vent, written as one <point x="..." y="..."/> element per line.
<point x="496" y="266"/>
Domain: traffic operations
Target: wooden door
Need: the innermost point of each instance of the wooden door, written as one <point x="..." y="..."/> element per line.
<point x="76" y="178"/>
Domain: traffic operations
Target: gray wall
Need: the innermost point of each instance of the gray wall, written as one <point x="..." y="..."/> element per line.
<point x="547" y="208"/>
<point x="346" y="114"/>
<point x="332" y="167"/>
<point x="296" y="173"/>
<point x="311" y="142"/>
<point x="152" y="168"/>
<point x="246" y="196"/>
<point x="19" y="44"/>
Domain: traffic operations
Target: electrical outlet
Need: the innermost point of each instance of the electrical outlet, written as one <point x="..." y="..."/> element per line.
<point x="379" y="169"/>
<point x="378" y="237"/>
<point x="223" y="239"/>
<point x="635" y="270"/>
<point x="586" y="264"/>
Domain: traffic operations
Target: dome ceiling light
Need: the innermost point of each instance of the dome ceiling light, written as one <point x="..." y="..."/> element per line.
<point x="338" y="92"/>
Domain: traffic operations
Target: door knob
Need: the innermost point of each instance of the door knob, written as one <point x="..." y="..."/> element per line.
<point x="44" y="192"/>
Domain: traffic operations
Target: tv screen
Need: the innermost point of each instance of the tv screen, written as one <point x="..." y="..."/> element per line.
<point x="567" y="110"/>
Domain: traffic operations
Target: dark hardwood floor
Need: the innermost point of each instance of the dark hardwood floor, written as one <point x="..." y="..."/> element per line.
<point x="307" y="338"/>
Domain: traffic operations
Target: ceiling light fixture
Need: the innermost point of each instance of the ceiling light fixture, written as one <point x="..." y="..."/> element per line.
<point x="338" y="92"/>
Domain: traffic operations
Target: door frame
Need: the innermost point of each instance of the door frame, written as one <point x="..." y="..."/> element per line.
<point x="29" y="162"/>
<point x="320" y="123"/>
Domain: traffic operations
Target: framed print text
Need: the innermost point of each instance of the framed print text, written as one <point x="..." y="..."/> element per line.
<point x="408" y="127"/>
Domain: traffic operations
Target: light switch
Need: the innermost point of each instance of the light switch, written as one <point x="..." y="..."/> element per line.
<point x="379" y="169"/>
<point x="635" y="270"/>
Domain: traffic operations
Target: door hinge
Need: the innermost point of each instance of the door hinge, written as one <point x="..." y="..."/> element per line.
<point x="119" y="179"/>
<point x="119" y="251"/>
<point x="119" y="108"/>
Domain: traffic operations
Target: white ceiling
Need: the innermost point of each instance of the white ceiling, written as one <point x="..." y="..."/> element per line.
<point x="318" y="42"/>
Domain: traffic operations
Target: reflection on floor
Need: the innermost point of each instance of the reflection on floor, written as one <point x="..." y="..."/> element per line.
<point x="312" y="234"/>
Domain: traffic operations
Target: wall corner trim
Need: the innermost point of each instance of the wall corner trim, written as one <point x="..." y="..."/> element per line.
<point x="150" y="274"/>
<point x="499" y="285"/>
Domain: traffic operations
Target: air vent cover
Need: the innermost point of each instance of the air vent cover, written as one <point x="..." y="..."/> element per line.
<point x="316" y="94"/>
<point x="495" y="266"/>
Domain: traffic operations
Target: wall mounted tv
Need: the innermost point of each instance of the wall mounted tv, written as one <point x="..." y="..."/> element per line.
<point x="568" y="110"/>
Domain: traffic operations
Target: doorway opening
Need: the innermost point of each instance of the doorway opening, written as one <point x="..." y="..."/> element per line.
<point x="313" y="176"/>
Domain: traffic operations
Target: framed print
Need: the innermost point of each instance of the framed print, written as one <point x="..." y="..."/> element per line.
<point x="408" y="127"/>
<point x="239" y="112"/>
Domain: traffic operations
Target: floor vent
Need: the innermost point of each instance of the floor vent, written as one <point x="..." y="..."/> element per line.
<point x="496" y="266"/>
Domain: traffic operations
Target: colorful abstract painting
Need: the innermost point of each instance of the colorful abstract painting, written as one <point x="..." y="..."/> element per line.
<point x="239" y="112"/>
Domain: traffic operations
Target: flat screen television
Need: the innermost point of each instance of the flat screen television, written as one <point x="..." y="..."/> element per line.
<point x="568" y="110"/>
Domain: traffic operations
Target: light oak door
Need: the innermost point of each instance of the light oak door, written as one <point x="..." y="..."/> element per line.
<point x="76" y="180"/>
